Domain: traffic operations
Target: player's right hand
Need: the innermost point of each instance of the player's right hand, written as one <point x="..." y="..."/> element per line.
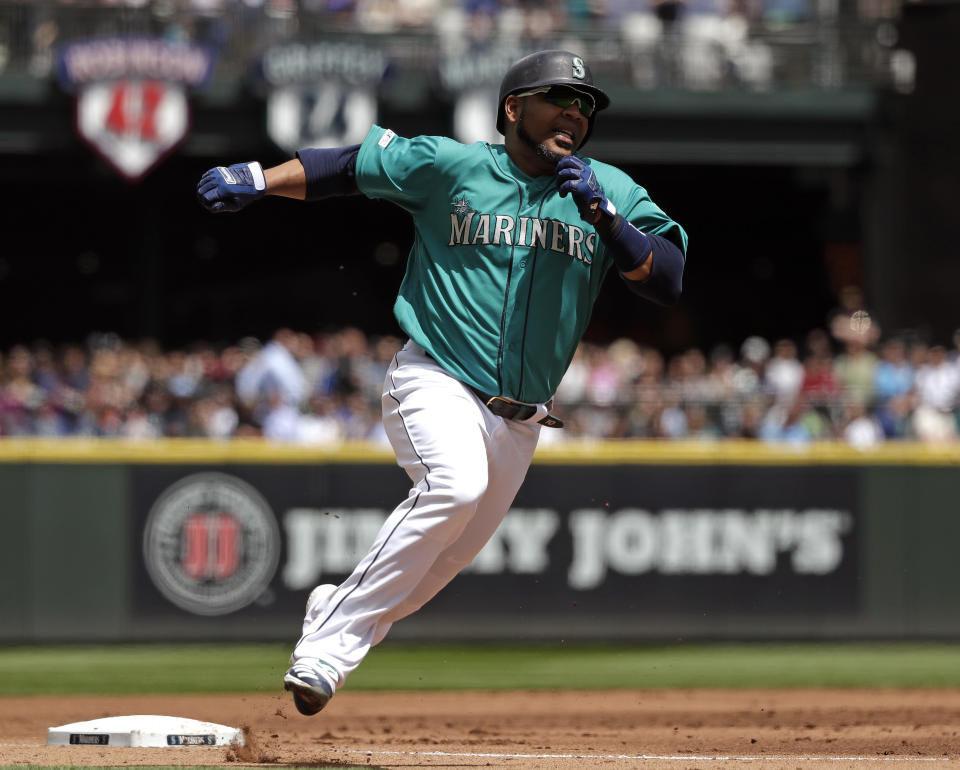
<point x="231" y="188"/>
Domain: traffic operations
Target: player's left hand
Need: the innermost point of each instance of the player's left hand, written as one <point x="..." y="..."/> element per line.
<point x="231" y="188"/>
<point x="576" y="178"/>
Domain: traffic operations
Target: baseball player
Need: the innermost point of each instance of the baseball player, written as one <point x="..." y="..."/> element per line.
<point x="512" y="243"/>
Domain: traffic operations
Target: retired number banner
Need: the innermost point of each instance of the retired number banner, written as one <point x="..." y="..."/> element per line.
<point x="131" y="96"/>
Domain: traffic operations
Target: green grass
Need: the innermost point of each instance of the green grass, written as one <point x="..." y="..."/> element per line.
<point x="196" y="668"/>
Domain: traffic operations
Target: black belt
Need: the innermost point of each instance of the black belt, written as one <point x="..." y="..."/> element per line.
<point x="514" y="410"/>
<point x="509" y="409"/>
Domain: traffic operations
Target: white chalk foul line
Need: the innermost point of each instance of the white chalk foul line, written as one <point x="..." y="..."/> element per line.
<point x="662" y="757"/>
<point x="644" y="757"/>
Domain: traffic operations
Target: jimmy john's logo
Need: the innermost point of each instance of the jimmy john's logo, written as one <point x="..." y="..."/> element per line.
<point x="131" y="103"/>
<point x="211" y="544"/>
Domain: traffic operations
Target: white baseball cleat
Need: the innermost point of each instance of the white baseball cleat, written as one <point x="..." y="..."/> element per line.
<point x="312" y="682"/>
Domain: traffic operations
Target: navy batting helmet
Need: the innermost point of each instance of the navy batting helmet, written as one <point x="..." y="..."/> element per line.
<point x="550" y="68"/>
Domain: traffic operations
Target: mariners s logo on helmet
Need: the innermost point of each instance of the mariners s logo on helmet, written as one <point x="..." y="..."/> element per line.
<point x="579" y="71"/>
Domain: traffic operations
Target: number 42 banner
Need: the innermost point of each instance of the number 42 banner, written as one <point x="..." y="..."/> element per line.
<point x="131" y="97"/>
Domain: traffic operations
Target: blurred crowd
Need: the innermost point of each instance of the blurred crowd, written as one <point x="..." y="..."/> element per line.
<point x="294" y="387"/>
<point x="698" y="44"/>
<point x="845" y="382"/>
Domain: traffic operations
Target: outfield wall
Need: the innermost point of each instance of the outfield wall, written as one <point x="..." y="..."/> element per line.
<point x="107" y="541"/>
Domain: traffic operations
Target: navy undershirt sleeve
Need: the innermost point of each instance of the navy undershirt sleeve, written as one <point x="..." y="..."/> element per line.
<point x="665" y="282"/>
<point x="630" y="248"/>
<point x="330" y="171"/>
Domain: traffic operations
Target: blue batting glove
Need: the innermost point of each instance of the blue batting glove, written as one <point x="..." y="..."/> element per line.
<point x="576" y="178"/>
<point x="231" y="188"/>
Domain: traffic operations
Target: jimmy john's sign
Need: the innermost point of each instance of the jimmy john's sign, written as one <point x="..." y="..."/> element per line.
<point x="325" y="543"/>
<point x="765" y="541"/>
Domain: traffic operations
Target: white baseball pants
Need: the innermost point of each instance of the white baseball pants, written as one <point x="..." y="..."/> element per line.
<point x="466" y="465"/>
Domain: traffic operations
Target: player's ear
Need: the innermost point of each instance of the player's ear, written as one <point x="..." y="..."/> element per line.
<point x="511" y="108"/>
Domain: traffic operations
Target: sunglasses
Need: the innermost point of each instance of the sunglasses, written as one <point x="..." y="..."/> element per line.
<point x="564" y="97"/>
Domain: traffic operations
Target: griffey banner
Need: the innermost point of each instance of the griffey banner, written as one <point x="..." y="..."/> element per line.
<point x="620" y="539"/>
<point x="321" y="94"/>
<point x="131" y="96"/>
<point x="472" y="81"/>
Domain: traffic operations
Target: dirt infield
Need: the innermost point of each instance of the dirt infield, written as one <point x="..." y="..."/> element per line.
<point x="643" y="729"/>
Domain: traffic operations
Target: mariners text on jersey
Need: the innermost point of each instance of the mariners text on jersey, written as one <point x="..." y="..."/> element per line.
<point x="472" y="229"/>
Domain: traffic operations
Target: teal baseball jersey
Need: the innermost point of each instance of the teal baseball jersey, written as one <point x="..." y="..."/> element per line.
<point x="503" y="273"/>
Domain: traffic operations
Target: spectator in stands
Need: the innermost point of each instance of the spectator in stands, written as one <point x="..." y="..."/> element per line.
<point x="323" y="422"/>
<point x="860" y="428"/>
<point x="851" y="320"/>
<point x="895" y="416"/>
<point x="281" y="420"/>
<point x="643" y="397"/>
<point x="185" y="373"/>
<point x="272" y="381"/>
<point x="819" y="381"/>
<point x="893" y="389"/>
<point x="894" y="374"/>
<point x="20" y="397"/>
<point x="156" y="405"/>
<point x="722" y="395"/>
<point x="700" y="426"/>
<point x="938" y="387"/>
<point x="695" y="387"/>
<point x="357" y="419"/>
<point x="603" y="382"/>
<point x="784" y="372"/>
<point x="798" y="423"/>
<point x="751" y="420"/>
<point x="73" y="368"/>
<point x="671" y="422"/>
<point x="855" y="369"/>
<point x="754" y="354"/>
<point x="137" y="425"/>
<point x="214" y="415"/>
<point x="573" y="386"/>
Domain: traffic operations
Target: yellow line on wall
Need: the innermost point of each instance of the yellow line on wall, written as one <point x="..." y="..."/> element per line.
<point x="739" y="452"/>
<point x="191" y="451"/>
<point x="573" y="452"/>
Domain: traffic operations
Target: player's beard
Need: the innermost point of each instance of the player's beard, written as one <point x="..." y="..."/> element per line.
<point x="544" y="152"/>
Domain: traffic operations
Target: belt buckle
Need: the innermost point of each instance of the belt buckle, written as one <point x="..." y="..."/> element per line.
<point x="502" y="407"/>
<point x="509" y="409"/>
